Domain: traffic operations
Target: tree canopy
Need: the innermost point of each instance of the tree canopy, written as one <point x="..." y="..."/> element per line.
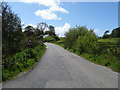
<point x="11" y="30"/>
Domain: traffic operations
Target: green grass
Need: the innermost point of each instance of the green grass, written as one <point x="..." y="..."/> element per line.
<point x="60" y="44"/>
<point x="111" y="40"/>
<point x="104" y="60"/>
<point x="21" y="61"/>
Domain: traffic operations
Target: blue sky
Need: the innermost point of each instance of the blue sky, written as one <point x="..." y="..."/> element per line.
<point x="99" y="16"/>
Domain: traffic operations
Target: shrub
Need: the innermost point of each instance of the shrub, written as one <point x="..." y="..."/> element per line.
<point x="72" y="35"/>
<point x="87" y="44"/>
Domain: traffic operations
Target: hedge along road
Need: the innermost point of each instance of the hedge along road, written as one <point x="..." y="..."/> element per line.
<point x="59" y="68"/>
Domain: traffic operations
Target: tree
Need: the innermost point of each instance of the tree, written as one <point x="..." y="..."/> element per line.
<point x="52" y="30"/>
<point x="29" y="30"/>
<point x="11" y="31"/>
<point x="37" y="32"/>
<point x="42" y="26"/>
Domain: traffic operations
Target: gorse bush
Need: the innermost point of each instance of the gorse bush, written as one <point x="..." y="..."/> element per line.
<point x="21" y="61"/>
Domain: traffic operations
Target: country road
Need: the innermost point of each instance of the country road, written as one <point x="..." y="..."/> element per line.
<point x="59" y="68"/>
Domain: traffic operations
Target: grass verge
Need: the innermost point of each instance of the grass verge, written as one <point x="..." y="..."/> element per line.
<point x="22" y="61"/>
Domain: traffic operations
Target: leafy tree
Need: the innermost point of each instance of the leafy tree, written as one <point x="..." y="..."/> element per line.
<point x="52" y="30"/>
<point x="11" y="31"/>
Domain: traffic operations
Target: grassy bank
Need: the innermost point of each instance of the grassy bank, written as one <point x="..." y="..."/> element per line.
<point x="109" y="58"/>
<point x="21" y="61"/>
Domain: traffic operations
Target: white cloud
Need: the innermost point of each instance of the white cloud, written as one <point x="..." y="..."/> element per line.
<point x="62" y="30"/>
<point x="56" y="8"/>
<point x="49" y="14"/>
<point x="46" y="14"/>
<point x="47" y="3"/>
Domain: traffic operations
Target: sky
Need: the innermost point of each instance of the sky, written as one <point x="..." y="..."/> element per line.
<point x="100" y="16"/>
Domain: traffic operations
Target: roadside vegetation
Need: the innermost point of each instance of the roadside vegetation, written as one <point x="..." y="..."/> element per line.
<point x="103" y="50"/>
<point x="21" y="61"/>
<point x="21" y="47"/>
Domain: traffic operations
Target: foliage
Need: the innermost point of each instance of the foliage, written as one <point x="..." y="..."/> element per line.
<point x="34" y="41"/>
<point x="20" y="50"/>
<point x="82" y="40"/>
<point x="21" y="61"/>
<point x="87" y="44"/>
<point x="105" y="60"/>
<point x="72" y="35"/>
<point x="37" y="32"/>
<point x="12" y="35"/>
<point x="52" y="31"/>
<point x="110" y="46"/>
<point x="109" y="40"/>
<point x="29" y="31"/>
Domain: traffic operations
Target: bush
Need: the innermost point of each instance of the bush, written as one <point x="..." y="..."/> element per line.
<point x="87" y="44"/>
<point x="82" y="40"/>
<point x="72" y="35"/>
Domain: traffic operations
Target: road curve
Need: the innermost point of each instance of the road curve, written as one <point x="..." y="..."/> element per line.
<point x="59" y="68"/>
